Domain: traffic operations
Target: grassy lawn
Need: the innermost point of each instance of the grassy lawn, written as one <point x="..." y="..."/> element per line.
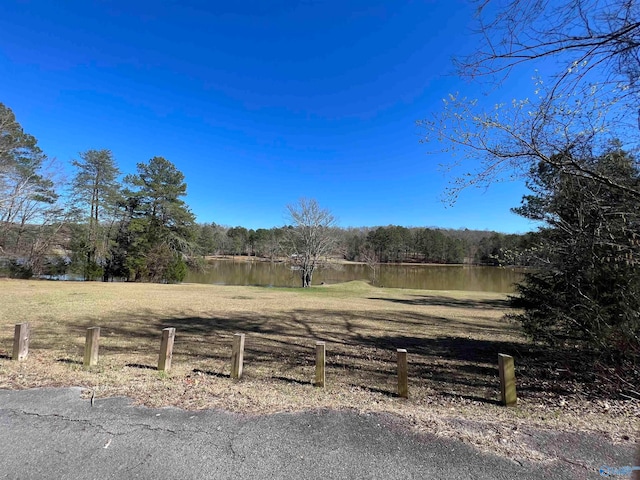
<point x="453" y="340"/>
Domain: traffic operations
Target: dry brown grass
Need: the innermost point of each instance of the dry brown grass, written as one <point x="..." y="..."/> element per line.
<point x="453" y="339"/>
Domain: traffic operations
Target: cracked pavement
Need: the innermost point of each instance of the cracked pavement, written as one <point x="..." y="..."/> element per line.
<point x="54" y="433"/>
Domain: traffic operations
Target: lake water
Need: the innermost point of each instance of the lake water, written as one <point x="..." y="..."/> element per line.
<point x="427" y="277"/>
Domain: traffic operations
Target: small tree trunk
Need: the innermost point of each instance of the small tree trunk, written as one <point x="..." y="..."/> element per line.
<point x="107" y="271"/>
<point x="306" y="278"/>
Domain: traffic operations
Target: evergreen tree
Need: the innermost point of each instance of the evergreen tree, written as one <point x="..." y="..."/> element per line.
<point x="585" y="288"/>
<point x="156" y="234"/>
<point x="96" y="191"/>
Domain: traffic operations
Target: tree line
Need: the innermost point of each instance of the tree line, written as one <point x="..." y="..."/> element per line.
<point x="103" y="225"/>
<point x="388" y="244"/>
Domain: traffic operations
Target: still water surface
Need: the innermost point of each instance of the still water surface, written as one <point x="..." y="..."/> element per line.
<point x="427" y="277"/>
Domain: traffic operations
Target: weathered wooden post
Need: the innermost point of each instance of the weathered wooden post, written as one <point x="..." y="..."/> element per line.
<point x="507" y="380"/>
<point x="320" y="363"/>
<point x="20" y="342"/>
<point x="91" y="346"/>
<point x="635" y="472"/>
<point x="237" y="355"/>
<point x="166" y="349"/>
<point x="403" y="374"/>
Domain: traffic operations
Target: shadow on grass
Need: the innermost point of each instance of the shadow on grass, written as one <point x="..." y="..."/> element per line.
<point x="386" y="393"/>
<point x="291" y="380"/>
<point x="447" y="347"/>
<point x="420" y="300"/>
<point x="210" y="373"/>
<point x="446" y="354"/>
<point x="141" y="366"/>
<point x="472" y="398"/>
<point x="69" y="361"/>
<point x="479" y="370"/>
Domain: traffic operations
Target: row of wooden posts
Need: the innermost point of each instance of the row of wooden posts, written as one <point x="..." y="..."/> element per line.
<point x="21" y="349"/>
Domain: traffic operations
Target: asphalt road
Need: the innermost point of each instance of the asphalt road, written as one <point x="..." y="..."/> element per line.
<point x="54" y="434"/>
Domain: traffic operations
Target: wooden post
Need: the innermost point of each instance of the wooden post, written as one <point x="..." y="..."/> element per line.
<point x="403" y="374"/>
<point x="507" y="380"/>
<point x="320" y="363"/>
<point x="166" y="349"/>
<point x="20" y="342"/>
<point x="91" y="346"/>
<point x="237" y="355"/>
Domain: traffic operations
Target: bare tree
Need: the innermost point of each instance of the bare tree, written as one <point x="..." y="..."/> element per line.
<point x="588" y="104"/>
<point x="311" y="238"/>
<point x="597" y="36"/>
<point x="22" y="182"/>
<point x="31" y="216"/>
<point x="590" y="99"/>
<point x="371" y="258"/>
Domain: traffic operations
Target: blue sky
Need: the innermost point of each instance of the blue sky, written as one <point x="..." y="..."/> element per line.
<point x="257" y="103"/>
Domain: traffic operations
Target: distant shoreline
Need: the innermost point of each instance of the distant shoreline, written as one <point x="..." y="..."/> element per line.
<point x="340" y="261"/>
